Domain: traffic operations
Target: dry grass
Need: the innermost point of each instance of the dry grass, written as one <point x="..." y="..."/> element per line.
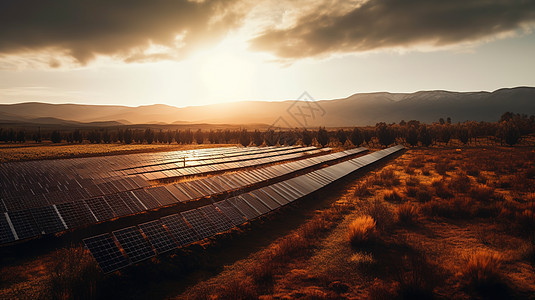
<point x="361" y="231"/>
<point x="408" y="214"/>
<point x="74" y="275"/>
<point x="380" y="212"/>
<point x="482" y="272"/>
<point x="393" y="196"/>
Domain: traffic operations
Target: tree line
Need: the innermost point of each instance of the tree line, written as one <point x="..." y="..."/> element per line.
<point x="509" y="130"/>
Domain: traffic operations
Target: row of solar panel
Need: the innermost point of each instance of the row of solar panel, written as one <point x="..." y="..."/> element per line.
<point x="55" y="218"/>
<point x="228" y="166"/>
<point x="81" y="190"/>
<point x="168" y="233"/>
<point x="86" y="188"/>
<point x="218" y="160"/>
<point x="209" y="186"/>
<point x="205" y="159"/>
<point x="39" y="177"/>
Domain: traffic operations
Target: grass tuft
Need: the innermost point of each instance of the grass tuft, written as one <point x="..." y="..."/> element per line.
<point x="362" y="231"/>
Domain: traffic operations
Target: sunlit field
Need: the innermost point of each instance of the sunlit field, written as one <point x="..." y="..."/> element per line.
<point x="427" y="223"/>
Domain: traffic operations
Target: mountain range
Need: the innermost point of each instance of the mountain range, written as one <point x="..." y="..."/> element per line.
<point x="356" y="110"/>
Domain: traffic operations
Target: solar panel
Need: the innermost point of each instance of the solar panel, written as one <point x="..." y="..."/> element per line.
<point x="162" y="195"/>
<point x="246" y="210"/>
<point x="75" y="214"/>
<point x="23" y="224"/>
<point x="101" y="210"/>
<point x="265" y="199"/>
<point x="6" y="235"/>
<point x="275" y="195"/>
<point x="117" y="205"/>
<point x="283" y="192"/>
<point x="131" y="201"/>
<point x="137" y="248"/>
<point x="255" y="203"/>
<point x="231" y="212"/>
<point x="158" y="236"/>
<point x="147" y="199"/>
<point x="200" y="223"/>
<point x="220" y="221"/>
<point x="106" y="252"/>
<point x="177" y="193"/>
<point x="47" y="219"/>
<point x="179" y="229"/>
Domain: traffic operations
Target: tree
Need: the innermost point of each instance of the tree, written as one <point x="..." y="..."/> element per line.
<point x="385" y="134"/>
<point x="356" y="137"/>
<point x="270" y="138"/>
<point x="306" y="137"/>
<point x="149" y="136"/>
<point x="244" y="138"/>
<point x="425" y="136"/>
<point x="128" y="136"/>
<point x="412" y="136"/>
<point x="21" y="136"/>
<point x="323" y="137"/>
<point x="77" y="136"/>
<point x="199" y="137"/>
<point x="106" y="137"/>
<point x="257" y="138"/>
<point x="341" y="136"/>
<point x="55" y="137"/>
<point x="445" y="134"/>
<point x="463" y="135"/>
<point x="510" y="133"/>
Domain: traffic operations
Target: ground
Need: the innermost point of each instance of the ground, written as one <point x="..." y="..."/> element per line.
<point x="447" y="223"/>
<point x="466" y="203"/>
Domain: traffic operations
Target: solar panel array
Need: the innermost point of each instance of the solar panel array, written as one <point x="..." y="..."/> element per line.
<point x="68" y="215"/>
<point x="257" y="160"/>
<point x="209" y="220"/>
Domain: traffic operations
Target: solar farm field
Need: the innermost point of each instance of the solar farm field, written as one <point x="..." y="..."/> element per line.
<point x="118" y="211"/>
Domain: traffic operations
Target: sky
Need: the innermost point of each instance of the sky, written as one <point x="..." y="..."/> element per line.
<point x="185" y="53"/>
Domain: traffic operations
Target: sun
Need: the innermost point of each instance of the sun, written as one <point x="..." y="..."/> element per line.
<point x="226" y="73"/>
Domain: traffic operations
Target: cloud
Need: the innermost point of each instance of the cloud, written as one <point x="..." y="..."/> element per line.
<point x="84" y="29"/>
<point x="381" y="24"/>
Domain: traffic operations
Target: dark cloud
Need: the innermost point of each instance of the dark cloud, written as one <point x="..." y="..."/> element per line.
<point x="378" y="24"/>
<point x="126" y="28"/>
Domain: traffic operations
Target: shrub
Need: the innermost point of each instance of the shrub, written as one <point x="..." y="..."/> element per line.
<point x="417" y="278"/>
<point x="238" y="289"/>
<point x="423" y="195"/>
<point x="361" y="231"/>
<point x="426" y="172"/>
<point x="411" y="191"/>
<point x="442" y="167"/>
<point x="482" y="193"/>
<point x="74" y="274"/>
<point x="460" y="183"/>
<point x="363" y="190"/>
<point x="412" y="181"/>
<point x="387" y="178"/>
<point x="441" y="189"/>
<point x="482" y="272"/>
<point x="380" y="212"/>
<point x="393" y="197"/>
<point x="408" y="214"/>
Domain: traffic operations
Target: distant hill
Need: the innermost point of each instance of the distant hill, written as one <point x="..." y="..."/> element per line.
<point x="358" y="109"/>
